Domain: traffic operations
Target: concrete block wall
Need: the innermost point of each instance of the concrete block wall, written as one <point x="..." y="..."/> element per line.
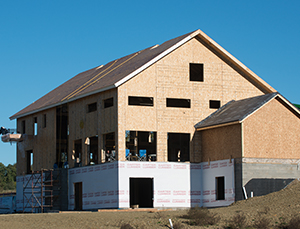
<point x="266" y="175"/>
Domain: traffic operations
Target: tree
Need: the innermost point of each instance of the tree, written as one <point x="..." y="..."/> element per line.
<point x="7" y="177"/>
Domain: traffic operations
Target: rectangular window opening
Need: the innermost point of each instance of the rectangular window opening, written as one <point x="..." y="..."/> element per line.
<point x="180" y="103"/>
<point x="220" y="188"/>
<point x="108" y="102"/>
<point x="23" y="127"/>
<point x="93" y="150"/>
<point x="44" y="120"/>
<point x="214" y="104"/>
<point x="140" y="145"/>
<point x="110" y="147"/>
<point x="140" y="101"/>
<point x="178" y="147"/>
<point x="29" y="161"/>
<point x="35" y="127"/>
<point x="92" y="107"/>
<point x="77" y="153"/>
<point x="196" y="72"/>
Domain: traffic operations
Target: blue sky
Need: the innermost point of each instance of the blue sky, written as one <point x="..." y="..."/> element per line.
<point x="45" y="43"/>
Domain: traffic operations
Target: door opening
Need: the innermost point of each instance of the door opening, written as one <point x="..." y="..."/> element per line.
<point x="78" y="196"/>
<point x="220" y="188"/>
<point x="141" y="192"/>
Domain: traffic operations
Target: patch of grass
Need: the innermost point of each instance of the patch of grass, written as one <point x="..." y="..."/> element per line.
<point x="201" y="217"/>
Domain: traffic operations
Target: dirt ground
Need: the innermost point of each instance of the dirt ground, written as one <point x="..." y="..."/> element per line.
<point x="277" y="207"/>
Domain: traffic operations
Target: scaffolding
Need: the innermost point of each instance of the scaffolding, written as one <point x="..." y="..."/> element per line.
<point x="38" y="191"/>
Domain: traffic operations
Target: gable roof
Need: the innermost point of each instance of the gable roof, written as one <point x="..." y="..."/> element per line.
<point x="117" y="72"/>
<point x="237" y="111"/>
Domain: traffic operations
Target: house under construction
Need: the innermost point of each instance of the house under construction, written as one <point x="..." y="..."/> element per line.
<point x="179" y="124"/>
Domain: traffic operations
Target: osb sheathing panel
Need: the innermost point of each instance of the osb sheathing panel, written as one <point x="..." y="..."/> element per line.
<point x="272" y="132"/>
<point x="42" y="145"/>
<point x="169" y="78"/>
<point x="83" y="124"/>
<point x="221" y="143"/>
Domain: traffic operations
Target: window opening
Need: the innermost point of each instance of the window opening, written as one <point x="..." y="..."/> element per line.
<point x="182" y="103"/>
<point x="196" y="72"/>
<point x="214" y="104"/>
<point x="23" y="127"/>
<point x="110" y="147"/>
<point x="29" y="155"/>
<point x="35" y="127"/>
<point x="140" y="145"/>
<point x="44" y="120"/>
<point x="141" y="192"/>
<point x="178" y="147"/>
<point x="93" y="151"/>
<point x="62" y="136"/>
<point x="78" y="153"/>
<point x="140" y="101"/>
<point x="92" y="107"/>
<point x="108" y="102"/>
<point x="220" y="188"/>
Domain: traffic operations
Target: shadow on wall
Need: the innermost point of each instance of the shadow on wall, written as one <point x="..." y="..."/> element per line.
<point x="261" y="187"/>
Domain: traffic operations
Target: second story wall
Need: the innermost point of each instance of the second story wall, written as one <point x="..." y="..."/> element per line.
<point x="37" y="150"/>
<point x="169" y="78"/>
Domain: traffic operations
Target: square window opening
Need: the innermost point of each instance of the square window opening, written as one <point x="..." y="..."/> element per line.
<point x="196" y="72"/>
<point x="140" y="145"/>
<point x="92" y="107"/>
<point x="108" y="102"/>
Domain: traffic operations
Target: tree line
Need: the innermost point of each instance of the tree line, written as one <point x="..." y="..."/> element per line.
<point x="7" y="177"/>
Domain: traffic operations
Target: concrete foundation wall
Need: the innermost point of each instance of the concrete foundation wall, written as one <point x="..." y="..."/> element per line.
<point x="273" y="174"/>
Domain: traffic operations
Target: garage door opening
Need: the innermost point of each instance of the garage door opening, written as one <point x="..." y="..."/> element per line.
<point x="141" y="192"/>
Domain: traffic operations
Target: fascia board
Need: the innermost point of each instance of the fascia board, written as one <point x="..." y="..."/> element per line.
<point x="235" y="61"/>
<point x="218" y="125"/>
<point x="282" y="98"/>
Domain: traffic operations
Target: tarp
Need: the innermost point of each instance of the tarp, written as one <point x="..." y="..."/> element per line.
<point x="7" y="204"/>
